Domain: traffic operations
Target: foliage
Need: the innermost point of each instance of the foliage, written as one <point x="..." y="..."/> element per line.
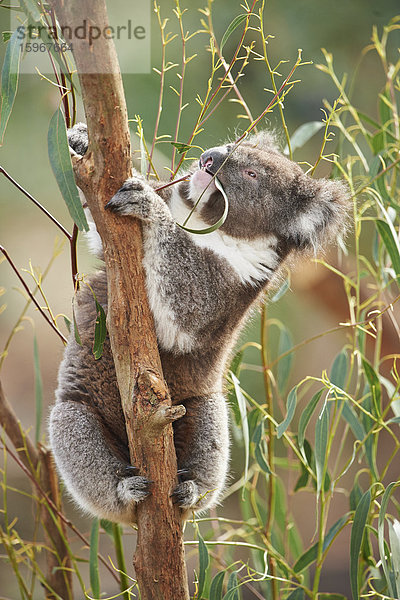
<point x="329" y="429"/>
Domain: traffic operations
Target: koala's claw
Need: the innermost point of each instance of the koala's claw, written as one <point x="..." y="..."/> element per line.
<point x="127" y="471"/>
<point x="133" y="489"/>
<point x="183" y="475"/>
<point x="186" y="494"/>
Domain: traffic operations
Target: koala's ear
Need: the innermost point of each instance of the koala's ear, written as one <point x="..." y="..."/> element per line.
<point x="331" y="190"/>
<point x="265" y="140"/>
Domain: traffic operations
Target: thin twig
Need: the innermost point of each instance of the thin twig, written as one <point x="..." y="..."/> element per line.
<point x="36" y="303"/>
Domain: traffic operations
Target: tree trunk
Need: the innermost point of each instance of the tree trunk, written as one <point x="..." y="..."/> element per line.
<point x="159" y="558"/>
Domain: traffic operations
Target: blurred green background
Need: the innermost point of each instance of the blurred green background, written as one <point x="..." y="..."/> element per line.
<point x="311" y="306"/>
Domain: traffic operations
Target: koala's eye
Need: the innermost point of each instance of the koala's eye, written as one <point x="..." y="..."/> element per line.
<point x="250" y="173"/>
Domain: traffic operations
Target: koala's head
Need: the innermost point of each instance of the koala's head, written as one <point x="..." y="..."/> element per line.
<point x="268" y="194"/>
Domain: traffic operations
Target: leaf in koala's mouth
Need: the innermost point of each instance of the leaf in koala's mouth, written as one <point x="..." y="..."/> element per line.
<point x="220" y="221"/>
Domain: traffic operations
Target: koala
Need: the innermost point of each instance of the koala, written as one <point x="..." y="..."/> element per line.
<point x="201" y="289"/>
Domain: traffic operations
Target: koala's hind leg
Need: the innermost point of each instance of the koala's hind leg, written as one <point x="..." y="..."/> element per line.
<point x="99" y="481"/>
<point x="202" y="445"/>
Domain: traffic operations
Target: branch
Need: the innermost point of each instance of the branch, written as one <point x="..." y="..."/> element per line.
<point x="159" y="558"/>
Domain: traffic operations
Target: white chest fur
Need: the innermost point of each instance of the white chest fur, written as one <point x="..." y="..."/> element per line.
<point x="252" y="260"/>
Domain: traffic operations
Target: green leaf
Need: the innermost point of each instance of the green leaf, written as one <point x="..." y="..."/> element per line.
<point x="241" y="404"/>
<point x="67" y="323"/>
<point x="311" y="554"/>
<point x="281" y="291"/>
<point x="100" y="331"/>
<point x="321" y="442"/>
<point x="258" y="451"/>
<point x="108" y="527"/>
<point x="297" y="594"/>
<point x="304" y="133"/>
<point x="232" y="588"/>
<point x="339" y="370"/>
<point x="394" y="530"/>
<point x="60" y="161"/>
<point x="9" y="77"/>
<point x="93" y="559"/>
<point x="303" y="479"/>
<point x="204" y="561"/>
<point x="233" y="25"/>
<point x="38" y="390"/>
<point x="285" y="363"/>
<point x="220" y="221"/>
<point x="290" y="408"/>
<point x="374" y="386"/>
<point x="181" y="147"/>
<point x="350" y="415"/>
<point x="357" y="533"/>
<point x="76" y="331"/>
<point x="391" y="244"/>
<point x="381" y="533"/>
<point x="305" y="419"/>
<point x="217" y="586"/>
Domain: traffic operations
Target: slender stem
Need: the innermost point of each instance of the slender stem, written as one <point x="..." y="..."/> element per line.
<point x="32" y="199"/>
<point x="52" y="325"/>
<point x="119" y="550"/>
<point x="179" y="14"/>
<point x="271" y="439"/>
<point x="225" y="65"/>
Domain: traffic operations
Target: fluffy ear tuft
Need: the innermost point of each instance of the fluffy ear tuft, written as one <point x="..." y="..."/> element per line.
<point x="335" y="191"/>
<point x="264" y="140"/>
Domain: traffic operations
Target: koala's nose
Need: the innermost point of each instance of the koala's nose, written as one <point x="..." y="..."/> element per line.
<point x="212" y="160"/>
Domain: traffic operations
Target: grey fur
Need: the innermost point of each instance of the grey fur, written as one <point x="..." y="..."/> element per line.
<point x="200" y="289"/>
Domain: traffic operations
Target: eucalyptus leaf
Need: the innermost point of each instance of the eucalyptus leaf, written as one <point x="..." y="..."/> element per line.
<point x="9" y="77"/>
<point x="220" y="221"/>
<point x="216" y="586"/>
<point x="304" y="133"/>
<point x="100" y="331"/>
<point x="60" y="161"/>
<point x="311" y="554"/>
<point x="391" y="244"/>
<point x="285" y="363"/>
<point x="305" y="419"/>
<point x="204" y="561"/>
<point x="321" y="442"/>
<point x="231" y="28"/>
<point x="241" y="402"/>
<point x="93" y="559"/>
<point x="290" y="408"/>
<point x="357" y="534"/>
<point x="338" y="372"/>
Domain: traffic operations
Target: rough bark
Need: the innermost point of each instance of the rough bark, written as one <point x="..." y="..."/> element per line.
<point x="40" y="466"/>
<point x="159" y="558"/>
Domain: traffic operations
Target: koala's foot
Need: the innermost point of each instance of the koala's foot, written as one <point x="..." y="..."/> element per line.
<point x="186" y="494"/>
<point x="133" y="489"/>
<point x="137" y="198"/>
<point x="78" y="139"/>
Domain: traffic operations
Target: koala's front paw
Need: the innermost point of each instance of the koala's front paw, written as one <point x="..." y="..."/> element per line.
<point x="78" y="139"/>
<point x="137" y="198"/>
<point x="133" y="489"/>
